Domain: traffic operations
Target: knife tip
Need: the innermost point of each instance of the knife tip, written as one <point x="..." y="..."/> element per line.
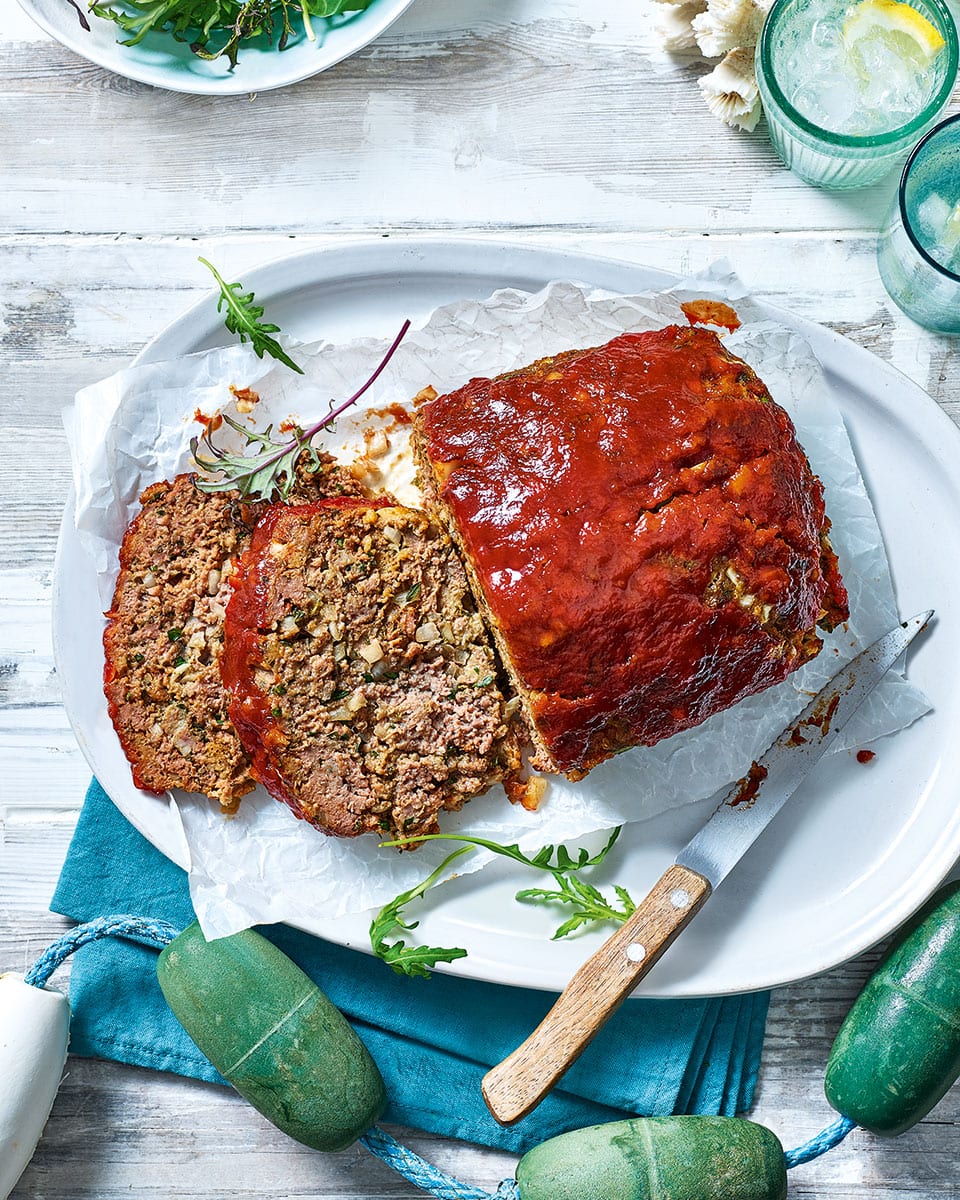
<point x="915" y="623"/>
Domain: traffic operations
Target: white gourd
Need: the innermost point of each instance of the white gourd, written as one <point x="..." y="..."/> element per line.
<point x="34" y="1031"/>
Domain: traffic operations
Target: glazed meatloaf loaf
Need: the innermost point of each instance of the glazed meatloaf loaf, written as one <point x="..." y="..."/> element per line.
<point x="164" y="634"/>
<point x="362" y="681"/>
<point x="645" y="532"/>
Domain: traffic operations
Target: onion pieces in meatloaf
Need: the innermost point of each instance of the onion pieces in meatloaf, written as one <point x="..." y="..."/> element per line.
<point x="644" y="531"/>
<point x="164" y="635"/>
<point x="363" y="684"/>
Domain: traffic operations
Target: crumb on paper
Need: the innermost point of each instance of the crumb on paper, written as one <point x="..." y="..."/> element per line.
<point x="528" y="793"/>
<point x="246" y="399"/>
<point x="376" y="443"/>
<point x="424" y="396"/>
<point x="712" y="312"/>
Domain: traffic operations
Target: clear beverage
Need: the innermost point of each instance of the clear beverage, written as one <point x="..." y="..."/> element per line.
<point x="848" y="87"/>
<point x="918" y="252"/>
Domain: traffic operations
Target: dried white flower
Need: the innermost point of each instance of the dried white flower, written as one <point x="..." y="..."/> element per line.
<point x="730" y="90"/>
<point x="673" y="24"/>
<point x="728" y="24"/>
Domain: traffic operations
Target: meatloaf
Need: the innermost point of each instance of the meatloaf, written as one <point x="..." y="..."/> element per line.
<point x="164" y="634"/>
<point x="362" y="682"/>
<point x="646" y="536"/>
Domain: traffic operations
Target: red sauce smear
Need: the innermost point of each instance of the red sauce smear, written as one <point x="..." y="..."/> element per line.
<point x="820" y="719"/>
<point x="211" y="424"/>
<point x="400" y="414"/>
<point x="865" y="756"/>
<point x="711" y="312"/>
<point x="747" y="788"/>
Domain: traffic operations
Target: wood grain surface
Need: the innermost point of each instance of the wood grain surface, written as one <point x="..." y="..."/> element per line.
<point x="556" y="122"/>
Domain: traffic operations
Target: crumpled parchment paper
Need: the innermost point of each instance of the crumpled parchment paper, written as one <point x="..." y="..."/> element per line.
<point x="263" y="865"/>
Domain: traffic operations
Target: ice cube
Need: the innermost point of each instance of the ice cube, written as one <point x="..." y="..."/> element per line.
<point x="933" y="213"/>
<point x="840" y="103"/>
<point x="826" y="34"/>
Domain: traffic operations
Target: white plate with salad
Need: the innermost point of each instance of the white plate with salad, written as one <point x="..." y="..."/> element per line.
<point x="855" y="852"/>
<point x="194" y="45"/>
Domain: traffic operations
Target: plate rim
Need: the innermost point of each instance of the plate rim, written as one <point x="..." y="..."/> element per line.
<point x="431" y="251"/>
<point x="166" y="78"/>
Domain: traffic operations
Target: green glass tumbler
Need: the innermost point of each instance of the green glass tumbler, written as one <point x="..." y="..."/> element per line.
<point x="919" y="274"/>
<point x="840" y="161"/>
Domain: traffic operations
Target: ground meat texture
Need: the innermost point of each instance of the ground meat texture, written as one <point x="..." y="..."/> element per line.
<point x="164" y="634"/>
<point x="362" y="682"/>
<point x="644" y="533"/>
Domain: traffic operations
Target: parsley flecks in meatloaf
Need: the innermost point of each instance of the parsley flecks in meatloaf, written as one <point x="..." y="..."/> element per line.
<point x="645" y="534"/>
<point x="362" y="681"/>
<point x="164" y="634"/>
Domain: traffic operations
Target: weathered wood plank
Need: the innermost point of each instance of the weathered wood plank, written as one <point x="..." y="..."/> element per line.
<point x="508" y="116"/>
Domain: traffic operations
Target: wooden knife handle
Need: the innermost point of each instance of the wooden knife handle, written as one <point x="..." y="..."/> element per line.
<point x="521" y="1081"/>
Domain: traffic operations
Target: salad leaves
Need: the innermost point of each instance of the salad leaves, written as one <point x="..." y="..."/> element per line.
<point x="217" y="28"/>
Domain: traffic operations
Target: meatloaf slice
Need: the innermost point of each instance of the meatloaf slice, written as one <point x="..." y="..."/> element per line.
<point x="362" y="681"/>
<point x="644" y="531"/>
<point x="164" y="634"/>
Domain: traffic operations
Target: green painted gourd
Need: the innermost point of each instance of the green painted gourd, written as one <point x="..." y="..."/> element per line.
<point x="898" y="1051"/>
<point x="272" y="1033"/>
<point x="657" y="1158"/>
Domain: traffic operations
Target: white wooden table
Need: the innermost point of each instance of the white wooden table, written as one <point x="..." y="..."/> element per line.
<point x="552" y="122"/>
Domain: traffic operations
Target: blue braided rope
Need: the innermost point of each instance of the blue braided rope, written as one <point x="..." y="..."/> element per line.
<point x="825" y="1140"/>
<point x="404" y="1161"/>
<point x="137" y="929"/>
<point x="426" y="1176"/>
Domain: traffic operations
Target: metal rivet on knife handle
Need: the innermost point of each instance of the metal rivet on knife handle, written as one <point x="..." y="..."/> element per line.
<point x="520" y="1082"/>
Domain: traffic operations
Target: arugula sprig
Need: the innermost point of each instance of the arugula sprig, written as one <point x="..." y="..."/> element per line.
<point x="241" y="315"/>
<point x="267" y="467"/>
<point x="404" y="959"/>
<point x="588" y="903"/>
<point x="541" y="861"/>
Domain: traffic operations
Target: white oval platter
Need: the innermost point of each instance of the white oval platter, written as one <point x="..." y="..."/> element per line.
<point x="855" y="852"/>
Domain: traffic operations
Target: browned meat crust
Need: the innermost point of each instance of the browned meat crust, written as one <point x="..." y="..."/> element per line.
<point x="164" y="634"/>
<point x="646" y="535"/>
<point x="362" y="681"/>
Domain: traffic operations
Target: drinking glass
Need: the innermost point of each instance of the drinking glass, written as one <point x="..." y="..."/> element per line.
<point x="922" y="286"/>
<point x="841" y="160"/>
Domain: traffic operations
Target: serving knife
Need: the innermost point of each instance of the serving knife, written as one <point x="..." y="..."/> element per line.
<point x="520" y="1082"/>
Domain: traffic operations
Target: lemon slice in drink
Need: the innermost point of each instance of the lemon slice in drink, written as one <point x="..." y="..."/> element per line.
<point x="898" y="26"/>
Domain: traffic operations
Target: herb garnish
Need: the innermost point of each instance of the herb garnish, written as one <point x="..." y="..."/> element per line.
<point x="269" y="469"/>
<point x="217" y="27"/>
<point x="404" y="959"/>
<point x="588" y="903"/>
<point x="241" y="315"/>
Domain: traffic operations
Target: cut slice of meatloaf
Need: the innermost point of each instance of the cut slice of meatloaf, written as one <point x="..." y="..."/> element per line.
<point x="164" y="634"/>
<point x="362" y="681"/>
<point x="646" y="535"/>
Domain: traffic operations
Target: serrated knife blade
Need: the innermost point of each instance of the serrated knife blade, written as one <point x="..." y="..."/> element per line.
<point x="752" y="803"/>
<point x="520" y="1082"/>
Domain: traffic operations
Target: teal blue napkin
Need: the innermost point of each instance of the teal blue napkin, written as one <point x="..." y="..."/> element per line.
<point x="433" y="1039"/>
